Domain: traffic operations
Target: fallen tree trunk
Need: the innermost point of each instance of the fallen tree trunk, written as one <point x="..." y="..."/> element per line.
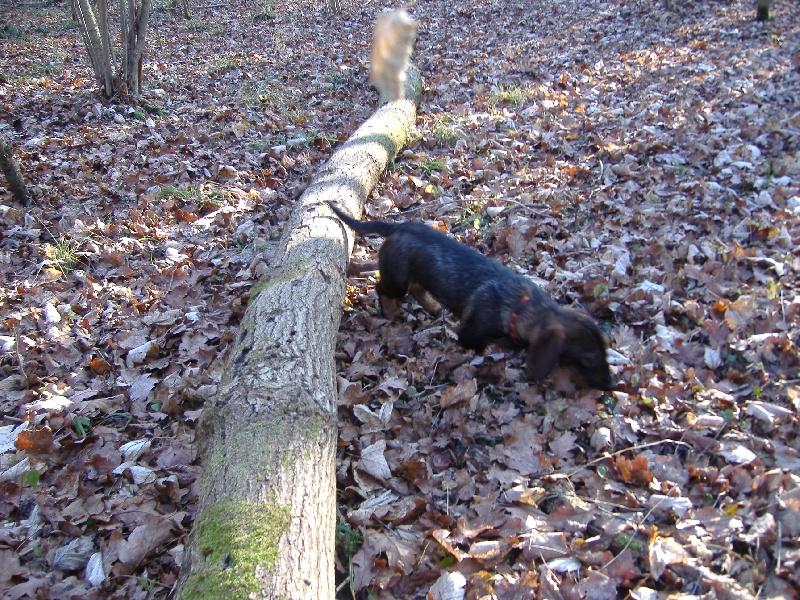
<point x="266" y="510"/>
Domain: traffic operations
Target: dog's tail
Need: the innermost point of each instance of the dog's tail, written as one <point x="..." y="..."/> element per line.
<point x="382" y="228"/>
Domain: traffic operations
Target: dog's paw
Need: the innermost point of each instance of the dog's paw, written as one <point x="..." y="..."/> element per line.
<point x="390" y="307"/>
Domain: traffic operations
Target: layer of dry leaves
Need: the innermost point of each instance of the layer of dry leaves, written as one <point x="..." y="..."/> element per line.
<point x="644" y="164"/>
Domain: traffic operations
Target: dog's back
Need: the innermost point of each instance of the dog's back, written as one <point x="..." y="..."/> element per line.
<point x="415" y="253"/>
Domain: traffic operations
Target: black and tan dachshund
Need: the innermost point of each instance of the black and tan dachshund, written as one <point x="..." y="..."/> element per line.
<point x="494" y="303"/>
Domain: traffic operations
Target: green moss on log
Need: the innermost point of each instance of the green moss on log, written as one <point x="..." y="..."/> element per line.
<point x="292" y="435"/>
<point x="286" y="274"/>
<point x="235" y="540"/>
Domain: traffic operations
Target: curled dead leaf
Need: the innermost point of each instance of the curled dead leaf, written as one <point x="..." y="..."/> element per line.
<point x="184" y="216"/>
<point x="449" y="586"/>
<point x="36" y="441"/>
<point x="140" y="353"/>
<point x="462" y="391"/>
<point x="99" y="366"/>
<point x="442" y="536"/>
<point x="374" y="462"/>
<point x="634" y="471"/>
<point x="665" y="552"/>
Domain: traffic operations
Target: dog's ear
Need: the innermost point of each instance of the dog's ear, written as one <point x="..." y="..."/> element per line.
<point x="544" y="350"/>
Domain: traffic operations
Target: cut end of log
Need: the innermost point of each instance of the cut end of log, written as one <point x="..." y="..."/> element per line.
<point x="392" y="42"/>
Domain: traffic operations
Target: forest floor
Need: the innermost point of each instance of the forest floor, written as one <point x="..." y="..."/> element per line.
<point x="641" y="163"/>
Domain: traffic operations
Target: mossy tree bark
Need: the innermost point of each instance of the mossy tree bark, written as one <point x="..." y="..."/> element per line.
<point x="266" y="510"/>
<point x="10" y="168"/>
<point x="762" y="10"/>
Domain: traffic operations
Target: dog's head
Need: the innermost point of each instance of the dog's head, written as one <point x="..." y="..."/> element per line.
<point x="572" y="339"/>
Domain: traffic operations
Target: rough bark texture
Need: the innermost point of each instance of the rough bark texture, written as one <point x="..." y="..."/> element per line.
<point x="267" y="494"/>
<point x="13" y="175"/>
<point x="134" y="29"/>
<point x="96" y="38"/>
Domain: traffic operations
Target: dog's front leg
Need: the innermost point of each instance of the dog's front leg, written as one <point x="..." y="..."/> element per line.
<point x="469" y="340"/>
<point x="393" y="285"/>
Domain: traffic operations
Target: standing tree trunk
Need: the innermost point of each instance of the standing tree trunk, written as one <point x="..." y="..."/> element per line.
<point x="133" y="17"/>
<point x="13" y="175"/>
<point x="266" y="510"/>
<point x="762" y="10"/>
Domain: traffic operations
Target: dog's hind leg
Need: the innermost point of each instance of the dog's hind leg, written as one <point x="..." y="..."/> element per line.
<point x="421" y="295"/>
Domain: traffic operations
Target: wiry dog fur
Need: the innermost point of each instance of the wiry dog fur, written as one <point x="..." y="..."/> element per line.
<point x="494" y="303"/>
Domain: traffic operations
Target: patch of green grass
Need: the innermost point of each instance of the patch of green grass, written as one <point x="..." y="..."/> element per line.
<point x="627" y="539"/>
<point x="770" y="172"/>
<point x="267" y="12"/>
<point x="680" y="170"/>
<point x="222" y="63"/>
<point x="43" y="69"/>
<point x="339" y="79"/>
<point x="447" y="130"/>
<point x="62" y="254"/>
<point x="154" y="110"/>
<point x="167" y="191"/>
<point x="264" y="15"/>
<point x="214" y="200"/>
<point x="348" y="542"/>
<point x="82" y="425"/>
<point x="327" y="139"/>
<point x="472" y="216"/>
<point x="433" y="165"/>
<point x="281" y="102"/>
<point x="212" y="195"/>
<point x="253" y="93"/>
<point x="162" y="6"/>
<point x="198" y="25"/>
<point x="55" y="28"/>
<point x="343" y="105"/>
<point x="9" y="30"/>
<point x="511" y="94"/>
<point x="117" y="417"/>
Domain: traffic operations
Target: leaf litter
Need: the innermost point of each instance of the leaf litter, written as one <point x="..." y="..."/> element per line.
<point x="639" y="162"/>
